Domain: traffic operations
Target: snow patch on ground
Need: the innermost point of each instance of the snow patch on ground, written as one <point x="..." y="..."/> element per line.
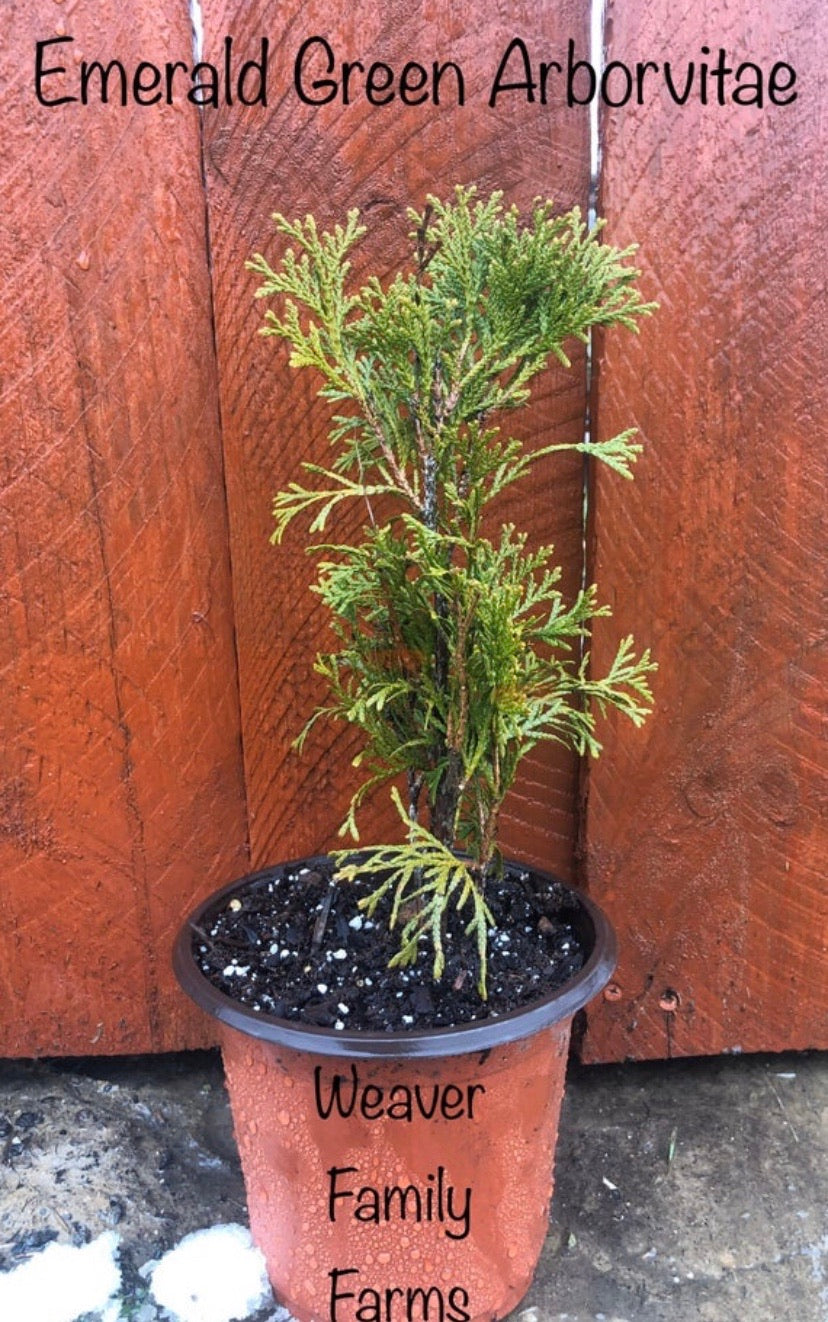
<point x="62" y="1283"/>
<point x="213" y="1275"/>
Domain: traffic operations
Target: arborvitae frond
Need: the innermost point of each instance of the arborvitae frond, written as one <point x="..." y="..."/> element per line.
<point x="455" y="653"/>
<point x="424" y="876"/>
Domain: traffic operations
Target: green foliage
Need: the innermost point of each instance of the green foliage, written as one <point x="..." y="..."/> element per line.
<point x="456" y="653"/>
<point x="425" y="876"/>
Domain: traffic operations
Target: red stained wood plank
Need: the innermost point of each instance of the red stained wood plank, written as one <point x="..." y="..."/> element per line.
<point x="705" y="834"/>
<point x="298" y="158"/>
<point x="121" y="797"/>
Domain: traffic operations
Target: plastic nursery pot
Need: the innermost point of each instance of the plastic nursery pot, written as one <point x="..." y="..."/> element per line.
<point x="399" y="1176"/>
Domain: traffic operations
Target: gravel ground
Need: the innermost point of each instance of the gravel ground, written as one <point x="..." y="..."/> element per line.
<point x="689" y="1191"/>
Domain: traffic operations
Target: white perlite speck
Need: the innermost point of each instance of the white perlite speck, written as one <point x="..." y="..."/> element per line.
<point x="213" y="1275"/>
<point x="63" y="1283"/>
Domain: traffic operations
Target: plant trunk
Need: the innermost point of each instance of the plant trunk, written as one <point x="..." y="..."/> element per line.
<point x="446" y="802"/>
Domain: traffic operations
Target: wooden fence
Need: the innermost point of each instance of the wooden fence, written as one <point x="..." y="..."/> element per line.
<point x="706" y="838"/>
<point x="157" y="654"/>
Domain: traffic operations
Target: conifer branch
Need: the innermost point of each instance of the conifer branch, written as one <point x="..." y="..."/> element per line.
<point x="456" y="653"/>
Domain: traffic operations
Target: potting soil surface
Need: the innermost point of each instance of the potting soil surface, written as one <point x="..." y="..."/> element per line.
<point x="293" y="944"/>
<point x="686" y="1191"/>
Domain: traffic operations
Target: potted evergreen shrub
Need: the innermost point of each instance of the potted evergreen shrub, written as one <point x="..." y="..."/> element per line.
<point x="396" y="1016"/>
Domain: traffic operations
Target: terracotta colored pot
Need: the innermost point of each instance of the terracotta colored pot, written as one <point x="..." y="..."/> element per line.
<point x="417" y="1187"/>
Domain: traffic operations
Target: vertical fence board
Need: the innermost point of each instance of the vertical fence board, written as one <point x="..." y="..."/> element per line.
<point x="298" y="158"/>
<point x="705" y="833"/>
<point x="121" y="796"/>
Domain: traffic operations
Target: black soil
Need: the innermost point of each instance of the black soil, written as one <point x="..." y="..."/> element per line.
<point x="291" y="943"/>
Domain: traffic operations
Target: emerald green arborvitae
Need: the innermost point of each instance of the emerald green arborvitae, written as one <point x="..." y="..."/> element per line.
<point x="457" y="653"/>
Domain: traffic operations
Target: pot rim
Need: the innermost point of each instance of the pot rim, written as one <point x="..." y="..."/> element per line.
<point x="370" y="1044"/>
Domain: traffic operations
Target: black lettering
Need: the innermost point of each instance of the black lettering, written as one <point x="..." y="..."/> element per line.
<point x="403" y="1193"/>
<point x="204" y="93"/>
<point x="333" y="1192"/>
<point x="369" y="1305"/>
<point x="412" y="79"/>
<point x="368" y="1205"/>
<point x="41" y="73"/>
<point x="458" y="1304"/>
<point x="326" y="86"/>
<point x="452" y="1106"/>
<point x="527" y="84"/>
<point x="437" y="73"/>
<point x="416" y="1303"/>
<point x="640" y="71"/>
<point x="605" y="77"/>
<point x="473" y="1088"/>
<point x="719" y="73"/>
<point x="750" y="93"/>
<point x="461" y="1217"/>
<point x="228" y="61"/>
<point x="390" y="1295"/>
<point x="572" y="68"/>
<point x="258" y="96"/>
<point x="335" y="1094"/>
<point x="425" y="1110"/>
<point x="774" y="88"/>
<point x="96" y="67"/>
<point x="171" y="69"/>
<point x="705" y="50"/>
<point x="141" y="90"/>
<point x="545" y="70"/>
<point x="399" y="1107"/>
<point x="424" y="1296"/>
<point x="372" y="1107"/>
<point x="347" y="1095"/>
<point x="336" y="1294"/>
<point x="348" y="67"/>
<point x="679" y="98"/>
<point x="380" y="78"/>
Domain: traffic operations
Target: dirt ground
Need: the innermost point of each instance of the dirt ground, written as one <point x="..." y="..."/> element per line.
<point x="690" y="1191"/>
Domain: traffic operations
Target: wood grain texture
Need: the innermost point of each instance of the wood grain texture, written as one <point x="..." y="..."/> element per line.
<point x="705" y="833"/>
<point x="298" y="158"/>
<point x="121" y="797"/>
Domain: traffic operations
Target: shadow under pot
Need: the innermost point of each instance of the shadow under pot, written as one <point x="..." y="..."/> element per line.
<point x="398" y="1176"/>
